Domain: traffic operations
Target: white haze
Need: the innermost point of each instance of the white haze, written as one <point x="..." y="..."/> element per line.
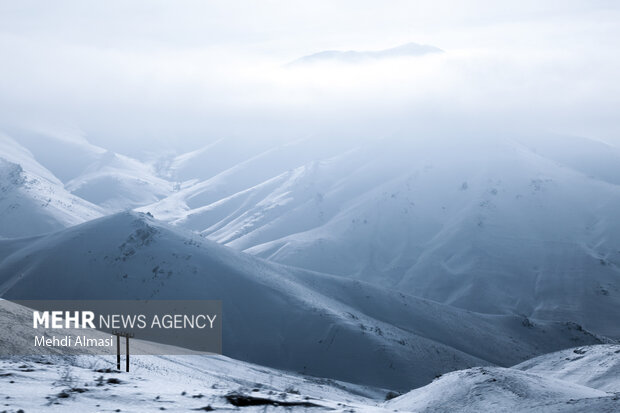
<point x="147" y="76"/>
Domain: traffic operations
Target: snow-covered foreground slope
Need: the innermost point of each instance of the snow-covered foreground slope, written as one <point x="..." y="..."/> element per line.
<point x="276" y="315"/>
<point x="494" y="389"/>
<point x="583" y="379"/>
<point x="173" y="384"/>
<point x="60" y="382"/>
<point x="32" y="199"/>
<point x="491" y="225"/>
<point x="592" y="366"/>
<point x="184" y="383"/>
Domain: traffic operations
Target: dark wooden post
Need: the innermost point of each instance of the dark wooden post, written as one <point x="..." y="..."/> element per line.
<point x="127" y="336"/>
<point x="118" y="352"/>
<point x="127" y="359"/>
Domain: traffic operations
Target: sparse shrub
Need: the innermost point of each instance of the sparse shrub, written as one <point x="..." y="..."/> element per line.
<point x="66" y="379"/>
<point x="391" y="395"/>
<point x="291" y="390"/>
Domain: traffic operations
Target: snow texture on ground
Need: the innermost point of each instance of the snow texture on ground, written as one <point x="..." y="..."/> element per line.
<point x="201" y="383"/>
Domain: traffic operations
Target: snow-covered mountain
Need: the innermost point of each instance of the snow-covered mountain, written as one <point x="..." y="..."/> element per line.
<point x="490" y="225"/>
<point x="228" y="167"/>
<point x="354" y="56"/>
<point x="572" y="380"/>
<point x="110" y="180"/>
<point x="593" y="366"/>
<point x="483" y="389"/>
<point x="503" y="227"/>
<point x="500" y="226"/>
<point x="49" y="183"/>
<point x="32" y="199"/>
<point x="276" y="315"/>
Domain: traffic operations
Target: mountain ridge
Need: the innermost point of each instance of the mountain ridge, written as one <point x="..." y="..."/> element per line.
<point x="410" y="49"/>
<point x="132" y="256"/>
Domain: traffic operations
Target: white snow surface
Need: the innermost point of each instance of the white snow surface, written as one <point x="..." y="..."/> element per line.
<point x="184" y="383"/>
<point x="174" y="383"/>
<point x="581" y="379"/>
<point x="495" y="389"/>
<point x="61" y="382"/>
<point x="593" y="366"/>
<point x="57" y="382"/>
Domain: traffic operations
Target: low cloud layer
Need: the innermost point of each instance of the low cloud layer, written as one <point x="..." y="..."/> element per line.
<point x="176" y="75"/>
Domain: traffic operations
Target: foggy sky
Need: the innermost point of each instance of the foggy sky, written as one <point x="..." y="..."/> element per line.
<point x="175" y="74"/>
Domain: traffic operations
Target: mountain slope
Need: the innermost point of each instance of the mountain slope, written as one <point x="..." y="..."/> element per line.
<point x="51" y="379"/>
<point x="173" y="384"/>
<point x="593" y="366"/>
<point x="116" y="182"/>
<point x="228" y="167"/>
<point x="32" y="199"/>
<point x="110" y="180"/>
<point x="573" y="380"/>
<point x="490" y="225"/>
<point x="275" y="315"/>
<point x="484" y="389"/>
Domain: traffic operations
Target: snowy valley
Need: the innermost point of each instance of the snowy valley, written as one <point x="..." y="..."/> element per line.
<point x="436" y="271"/>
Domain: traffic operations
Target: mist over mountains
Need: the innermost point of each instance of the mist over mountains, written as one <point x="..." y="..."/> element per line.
<point x="404" y="208"/>
<point x="496" y="226"/>
<point x="336" y="258"/>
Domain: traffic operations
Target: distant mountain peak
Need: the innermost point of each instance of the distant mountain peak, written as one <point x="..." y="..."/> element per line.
<point x="355" y="56"/>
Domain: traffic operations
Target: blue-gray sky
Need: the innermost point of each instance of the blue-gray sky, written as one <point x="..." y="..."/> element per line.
<point x="130" y="72"/>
